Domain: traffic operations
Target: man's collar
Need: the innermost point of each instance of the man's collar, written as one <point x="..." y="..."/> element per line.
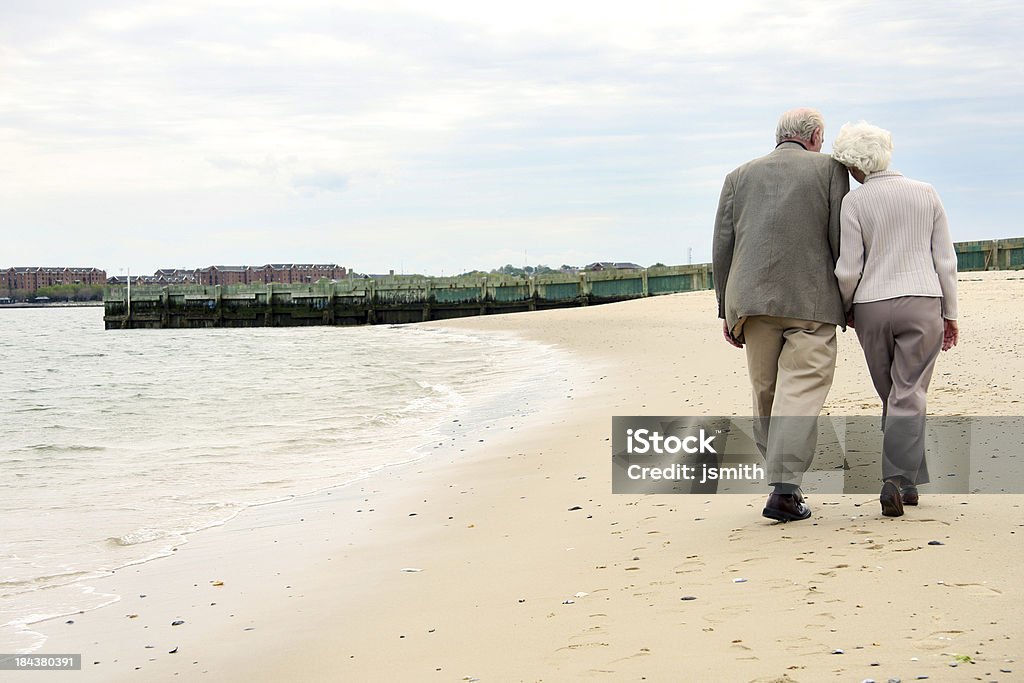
<point x="792" y="142"/>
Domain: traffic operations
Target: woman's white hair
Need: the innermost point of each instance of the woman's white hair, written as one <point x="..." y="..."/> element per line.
<point x="863" y="146"/>
<point x="799" y="124"/>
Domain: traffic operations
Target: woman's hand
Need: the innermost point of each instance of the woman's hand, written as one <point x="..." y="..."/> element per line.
<point x="950" y="334"/>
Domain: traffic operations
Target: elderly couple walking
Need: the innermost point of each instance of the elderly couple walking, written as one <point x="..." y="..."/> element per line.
<point x="795" y="256"/>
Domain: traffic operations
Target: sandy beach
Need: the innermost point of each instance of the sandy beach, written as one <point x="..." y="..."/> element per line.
<point x="509" y="559"/>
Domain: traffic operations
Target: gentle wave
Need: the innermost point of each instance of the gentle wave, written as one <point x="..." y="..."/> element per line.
<point x="167" y="433"/>
<point x="56" y="447"/>
<point x="140" y="536"/>
<point x="43" y="581"/>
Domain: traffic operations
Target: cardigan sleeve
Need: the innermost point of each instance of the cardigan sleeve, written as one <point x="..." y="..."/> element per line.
<point x="944" y="258"/>
<point x="851" y="253"/>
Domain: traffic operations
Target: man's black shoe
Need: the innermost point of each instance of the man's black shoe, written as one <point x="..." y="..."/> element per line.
<point x="786" y="507"/>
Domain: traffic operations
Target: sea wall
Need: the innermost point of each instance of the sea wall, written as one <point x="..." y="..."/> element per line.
<point x="390" y="300"/>
<point x="406" y="299"/>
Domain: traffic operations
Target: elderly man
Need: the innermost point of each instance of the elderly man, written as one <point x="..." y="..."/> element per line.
<point x="776" y="244"/>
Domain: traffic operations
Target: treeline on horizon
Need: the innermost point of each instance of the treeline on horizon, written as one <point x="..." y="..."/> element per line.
<point x="76" y="292"/>
<point x="515" y="271"/>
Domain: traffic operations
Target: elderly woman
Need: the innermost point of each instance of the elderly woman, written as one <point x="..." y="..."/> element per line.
<point x="897" y="276"/>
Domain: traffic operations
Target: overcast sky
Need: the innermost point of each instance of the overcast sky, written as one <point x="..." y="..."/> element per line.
<point x="438" y="136"/>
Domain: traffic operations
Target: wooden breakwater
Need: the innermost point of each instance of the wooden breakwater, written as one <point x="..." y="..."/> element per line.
<point x="393" y="300"/>
<point x="1005" y="254"/>
<point x="390" y="300"/>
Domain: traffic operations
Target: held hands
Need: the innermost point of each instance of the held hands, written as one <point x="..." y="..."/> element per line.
<point x="728" y="336"/>
<point x="950" y="334"/>
<point x="849" y="319"/>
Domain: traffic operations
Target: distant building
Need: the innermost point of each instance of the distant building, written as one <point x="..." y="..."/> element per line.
<point x="136" y="280"/>
<point x="175" y="276"/>
<point x="29" y="279"/>
<point x="273" y="272"/>
<point x="378" y="276"/>
<point x="224" y="275"/>
<point x="609" y="265"/>
<point x="289" y="273"/>
<point x="281" y="273"/>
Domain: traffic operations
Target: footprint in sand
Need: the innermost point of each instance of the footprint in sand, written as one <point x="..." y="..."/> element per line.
<point x="581" y="646"/>
<point x="801" y="645"/>
<point x="977" y="589"/>
<point x="691" y="564"/>
<point x="737" y="566"/>
<point x="643" y="652"/>
<point x="591" y="636"/>
<point x="938" y="640"/>
<point x="925" y="519"/>
<point x="742" y="656"/>
<point x="727" y="614"/>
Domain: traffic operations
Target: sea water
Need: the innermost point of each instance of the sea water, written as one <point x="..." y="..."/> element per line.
<point x="116" y="445"/>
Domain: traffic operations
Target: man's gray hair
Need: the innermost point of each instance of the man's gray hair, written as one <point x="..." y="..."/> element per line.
<point x="863" y="146"/>
<point x="800" y="124"/>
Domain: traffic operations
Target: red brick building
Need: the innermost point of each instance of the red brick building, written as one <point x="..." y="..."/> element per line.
<point x="288" y="273"/>
<point x="175" y="276"/>
<point x="281" y="273"/>
<point x="31" y="278"/>
<point x="224" y="275"/>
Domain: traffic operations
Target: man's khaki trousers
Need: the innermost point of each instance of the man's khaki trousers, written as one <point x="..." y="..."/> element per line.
<point x="791" y="364"/>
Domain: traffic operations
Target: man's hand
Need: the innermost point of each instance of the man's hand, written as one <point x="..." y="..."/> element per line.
<point x="950" y="334"/>
<point x="728" y="335"/>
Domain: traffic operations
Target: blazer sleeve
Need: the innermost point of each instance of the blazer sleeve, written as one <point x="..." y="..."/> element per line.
<point x="723" y="242"/>
<point x="944" y="259"/>
<point x="838" y="187"/>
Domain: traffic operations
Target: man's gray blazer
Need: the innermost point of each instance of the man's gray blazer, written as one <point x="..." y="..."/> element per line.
<point x="776" y="237"/>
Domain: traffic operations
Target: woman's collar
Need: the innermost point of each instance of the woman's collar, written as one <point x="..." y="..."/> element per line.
<point x="883" y="174"/>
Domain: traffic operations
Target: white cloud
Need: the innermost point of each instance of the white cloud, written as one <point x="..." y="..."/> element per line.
<point x="467" y="114"/>
<point x="320" y="181"/>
